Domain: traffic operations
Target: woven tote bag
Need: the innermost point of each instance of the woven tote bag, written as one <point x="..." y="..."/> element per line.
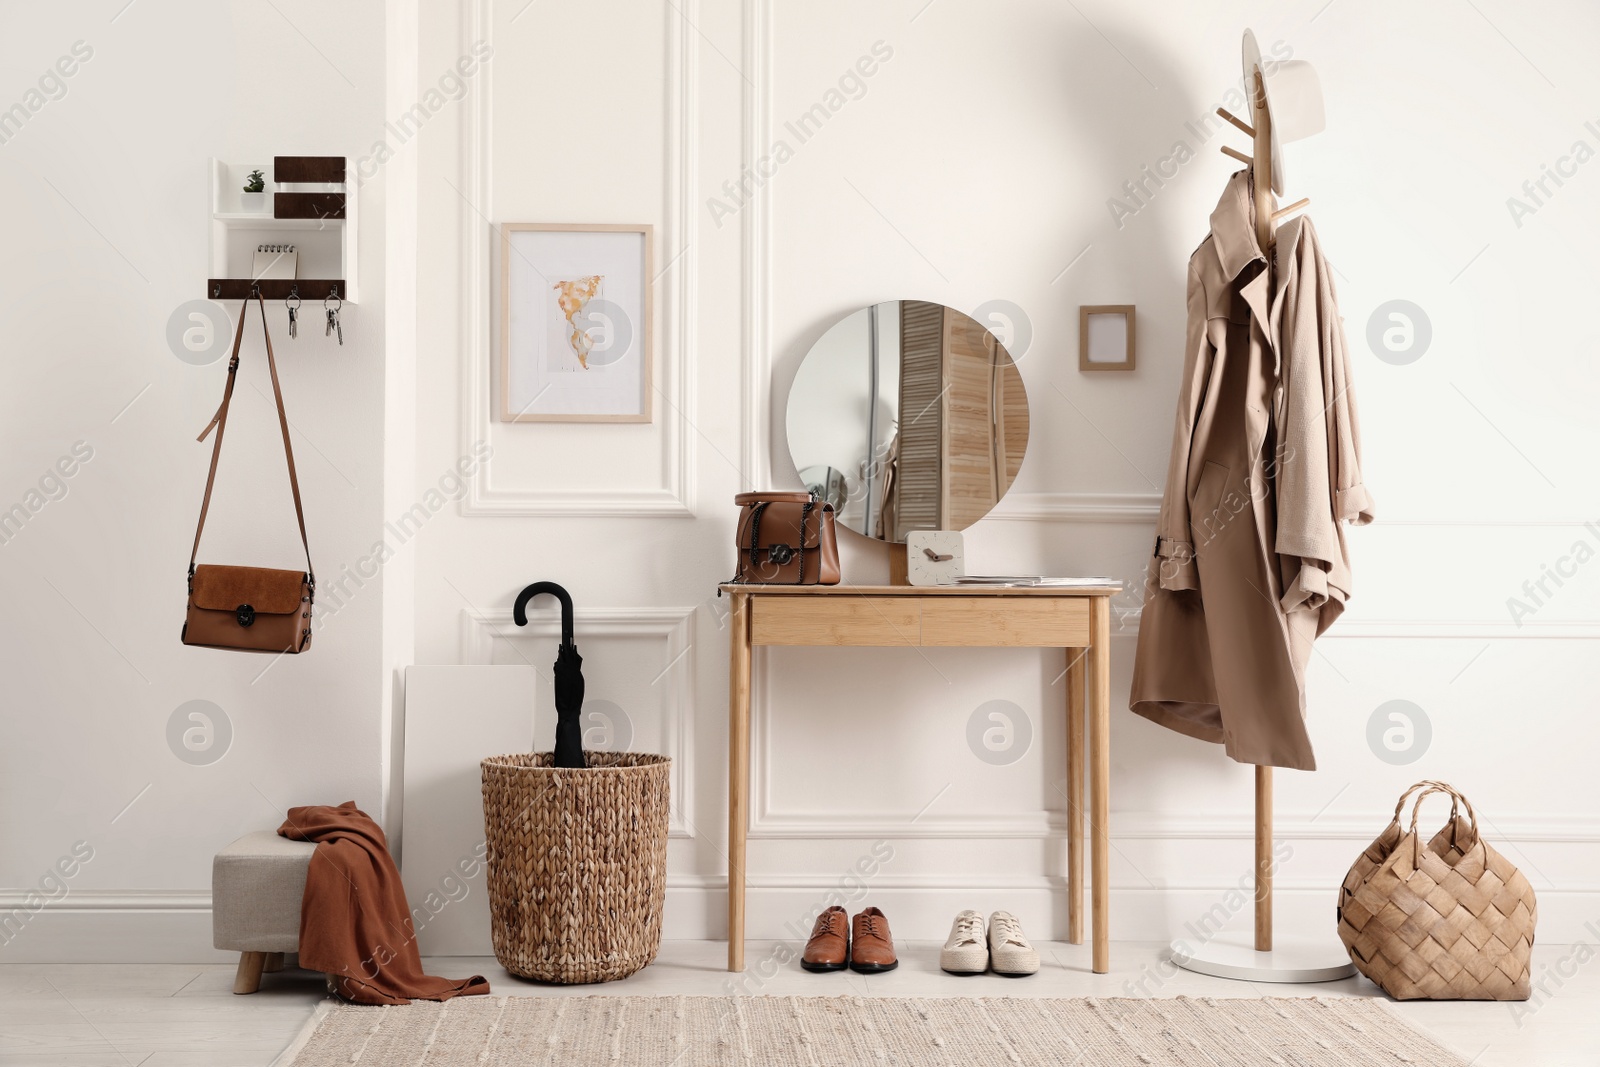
<point x="1451" y="919"/>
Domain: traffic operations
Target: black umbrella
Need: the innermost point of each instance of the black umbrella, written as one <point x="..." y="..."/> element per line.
<point x="569" y="676"/>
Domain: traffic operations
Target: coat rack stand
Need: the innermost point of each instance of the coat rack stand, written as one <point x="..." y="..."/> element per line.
<point x="1321" y="960"/>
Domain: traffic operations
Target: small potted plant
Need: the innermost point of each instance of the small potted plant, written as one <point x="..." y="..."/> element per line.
<point x="254" y="197"/>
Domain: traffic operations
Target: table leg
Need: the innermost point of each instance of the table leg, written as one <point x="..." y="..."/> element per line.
<point x="1100" y="776"/>
<point x="1075" y="740"/>
<point x="738" y="772"/>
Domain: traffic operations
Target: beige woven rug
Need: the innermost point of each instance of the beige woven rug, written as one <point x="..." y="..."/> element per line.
<point x="829" y="1031"/>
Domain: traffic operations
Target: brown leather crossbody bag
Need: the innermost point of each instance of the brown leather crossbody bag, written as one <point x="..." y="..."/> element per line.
<point x="249" y="609"/>
<point x="786" y="539"/>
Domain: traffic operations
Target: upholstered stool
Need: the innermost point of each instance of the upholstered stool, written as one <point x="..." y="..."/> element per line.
<point x="256" y="886"/>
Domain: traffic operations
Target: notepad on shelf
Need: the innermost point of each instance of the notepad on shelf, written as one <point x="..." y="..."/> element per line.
<point x="274" y="261"/>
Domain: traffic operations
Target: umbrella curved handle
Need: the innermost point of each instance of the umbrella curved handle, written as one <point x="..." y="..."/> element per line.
<point x="520" y="612"/>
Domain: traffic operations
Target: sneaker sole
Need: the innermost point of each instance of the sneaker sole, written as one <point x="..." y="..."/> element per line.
<point x="961" y="974"/>
<point x="1016" y="974"/>
<point x="963" y="961"/>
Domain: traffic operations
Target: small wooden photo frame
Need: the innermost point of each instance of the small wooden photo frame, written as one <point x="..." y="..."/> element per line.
<point x="576" y="322"/>
<point x="1106" y="337"/>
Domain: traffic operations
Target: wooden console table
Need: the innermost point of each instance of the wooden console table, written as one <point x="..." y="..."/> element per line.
<point x="1077" y="620"/>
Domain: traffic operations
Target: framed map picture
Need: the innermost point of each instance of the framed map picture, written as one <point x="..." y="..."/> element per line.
<point x="576" y="322"/>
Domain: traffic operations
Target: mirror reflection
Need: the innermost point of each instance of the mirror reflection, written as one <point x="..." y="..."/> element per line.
<point x="908" y="415"/>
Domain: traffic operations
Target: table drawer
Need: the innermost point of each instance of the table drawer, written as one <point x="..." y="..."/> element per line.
<point x="1030" y="621"/>
<point x="834" y="620"/>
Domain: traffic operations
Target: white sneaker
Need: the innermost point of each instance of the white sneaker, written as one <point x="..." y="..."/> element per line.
<point x="1009" y="951"/>
<point x="965" y="952"/>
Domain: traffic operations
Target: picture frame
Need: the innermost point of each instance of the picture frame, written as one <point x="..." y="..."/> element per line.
<point x="1104" y="343"/>
<point x="576" y="322"/>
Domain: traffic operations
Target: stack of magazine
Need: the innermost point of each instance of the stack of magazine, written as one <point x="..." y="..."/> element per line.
<point x="1030" y="581"/>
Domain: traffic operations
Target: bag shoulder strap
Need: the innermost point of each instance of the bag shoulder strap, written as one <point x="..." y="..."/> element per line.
<point x="220" y="422"/>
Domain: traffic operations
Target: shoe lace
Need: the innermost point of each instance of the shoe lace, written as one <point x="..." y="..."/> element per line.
<point x="970" y="929"/>
<point x="1007" y="929"/>
<point x="872" y="926"/>
<point x="826" y="923"/>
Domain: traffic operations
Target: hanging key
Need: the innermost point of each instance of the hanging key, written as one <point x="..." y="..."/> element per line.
<point x="292" y="302"/>
<point x="333" y="326"/>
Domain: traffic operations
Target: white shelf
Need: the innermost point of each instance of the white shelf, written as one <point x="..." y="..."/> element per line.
<point x="327" y="247"/>
<point x="251" y="220"/>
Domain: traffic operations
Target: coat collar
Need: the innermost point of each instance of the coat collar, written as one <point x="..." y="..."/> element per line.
<point x="1233" y="235"/>
<point x="1233" y="227"/>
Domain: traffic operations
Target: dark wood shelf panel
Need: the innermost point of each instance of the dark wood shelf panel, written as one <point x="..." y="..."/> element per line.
<point x="275" y="288"/>
<point x="308" y="205"/>
<point x="308" y="168"/>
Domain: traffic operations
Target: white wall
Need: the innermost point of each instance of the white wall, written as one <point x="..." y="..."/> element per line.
<point x="107" y="194"/>
<point x="1014" y="124"/>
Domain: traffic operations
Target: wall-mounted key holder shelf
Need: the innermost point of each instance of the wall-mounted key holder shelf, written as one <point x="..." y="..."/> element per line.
<point x="305" y="202"/>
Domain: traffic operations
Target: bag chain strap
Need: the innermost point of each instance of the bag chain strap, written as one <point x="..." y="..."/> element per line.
<point x="755" y="530"/>
<point x="805" y="516"/>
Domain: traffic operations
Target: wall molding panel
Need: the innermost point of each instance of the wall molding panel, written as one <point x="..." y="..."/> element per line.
<point x="768" y="824"/>
<point x="91" y="927"/>
<point x="1462" y="630"/>
<point x="755" y="460"/>
<point x="1427" y="629"/>
<point x="676" y="272"/>
<point x="125" y="900"/>
<point x="1145" y="507"/>
<point x="1078" y="507"/>
<point x="1139" y="826"/>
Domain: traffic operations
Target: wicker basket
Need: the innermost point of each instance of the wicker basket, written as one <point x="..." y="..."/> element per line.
<point x="577" y="863"/>
<point x="1449" y="920"/>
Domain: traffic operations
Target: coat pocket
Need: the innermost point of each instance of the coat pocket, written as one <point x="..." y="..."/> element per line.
<point x="1207" y="515"/>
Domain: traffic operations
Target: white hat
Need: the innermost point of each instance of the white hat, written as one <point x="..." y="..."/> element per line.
<point x="1294" y="100"/>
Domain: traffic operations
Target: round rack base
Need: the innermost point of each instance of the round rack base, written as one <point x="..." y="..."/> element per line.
<point x="1292" y="962"/>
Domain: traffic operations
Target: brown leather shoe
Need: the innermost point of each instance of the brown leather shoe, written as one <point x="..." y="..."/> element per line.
<point x="829" y="946"/>
<point x="871" y="947"/>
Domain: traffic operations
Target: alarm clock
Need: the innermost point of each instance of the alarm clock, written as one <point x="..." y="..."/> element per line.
<point x="933" y="557"/>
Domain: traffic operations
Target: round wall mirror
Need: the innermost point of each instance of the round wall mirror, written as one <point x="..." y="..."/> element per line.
<point x="908" y="415"/>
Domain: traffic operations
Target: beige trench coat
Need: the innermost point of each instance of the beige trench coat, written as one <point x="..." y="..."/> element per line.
<point x="1250" y="564"/>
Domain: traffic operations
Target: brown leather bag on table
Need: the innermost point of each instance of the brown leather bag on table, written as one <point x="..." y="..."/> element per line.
<point x="249" y="609"/>
<point x="785" y="538"/>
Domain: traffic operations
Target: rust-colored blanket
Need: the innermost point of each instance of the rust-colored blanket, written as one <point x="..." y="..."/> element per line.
<point x="355" y="924"/>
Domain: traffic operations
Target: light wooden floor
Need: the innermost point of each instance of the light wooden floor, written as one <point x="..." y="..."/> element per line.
<point x="169" y="1015"/>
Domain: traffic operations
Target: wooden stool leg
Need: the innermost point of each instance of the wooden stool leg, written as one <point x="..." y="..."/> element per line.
<point x="274" y="963"/>
<point x="248" y="978"/>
